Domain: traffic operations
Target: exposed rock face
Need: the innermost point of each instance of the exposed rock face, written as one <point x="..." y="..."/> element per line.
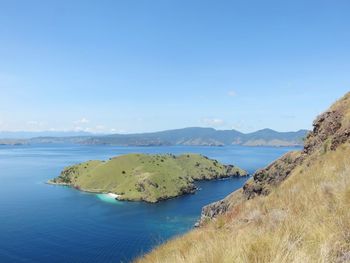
<point x="325" y="126"/>
<point x="215" y="209"/>
<point x="331" y="129"/>
<point x="260" y="184"/>
<point x="220" y="207"/>
<point x="272" y="175"/>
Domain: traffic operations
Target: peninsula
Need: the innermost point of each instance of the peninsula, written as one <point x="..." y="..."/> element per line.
<point x="144" y="177"/>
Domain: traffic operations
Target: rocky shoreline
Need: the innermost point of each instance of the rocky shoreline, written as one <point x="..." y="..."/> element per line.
<point x="148" y="178"/>
<point x="329" y="131"/>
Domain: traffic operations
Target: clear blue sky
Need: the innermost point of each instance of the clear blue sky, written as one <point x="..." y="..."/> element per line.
<point x="147" y="65"/>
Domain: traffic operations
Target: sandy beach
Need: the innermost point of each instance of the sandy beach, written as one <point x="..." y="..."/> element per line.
<point x="113" y="195"/>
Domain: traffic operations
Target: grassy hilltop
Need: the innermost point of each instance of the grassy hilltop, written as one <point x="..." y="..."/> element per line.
<point x="145" y="177"/>
<point x="294" y="210"/>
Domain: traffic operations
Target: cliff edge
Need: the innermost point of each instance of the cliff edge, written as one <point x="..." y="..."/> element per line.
<point x="294" y="210"/>
<point x="330" y="129"/>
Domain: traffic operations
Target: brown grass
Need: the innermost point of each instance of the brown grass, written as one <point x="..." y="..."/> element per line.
<point x="306" y="219"/>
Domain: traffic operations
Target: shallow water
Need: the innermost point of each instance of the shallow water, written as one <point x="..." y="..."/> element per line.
<point x="46" y="223"/>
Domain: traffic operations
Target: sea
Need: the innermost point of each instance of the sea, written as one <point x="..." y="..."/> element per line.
<point x="46" y="223"/>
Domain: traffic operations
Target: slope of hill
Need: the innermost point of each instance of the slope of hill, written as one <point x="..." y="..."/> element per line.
<point x="204" y="136"/>
<point x="268" y="137"/>
<point x="13" y="142"/>
<point x="294" y="210"/>
<point x="150" y="178"/>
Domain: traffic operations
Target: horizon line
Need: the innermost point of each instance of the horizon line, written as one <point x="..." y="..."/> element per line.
<point x="146" y="132"/>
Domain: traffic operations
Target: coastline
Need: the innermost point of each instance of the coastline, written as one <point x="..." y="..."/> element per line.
<point x="191" y="190"/>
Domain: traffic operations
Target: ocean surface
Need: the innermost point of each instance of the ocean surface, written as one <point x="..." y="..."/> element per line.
<point x="46" y="223"/>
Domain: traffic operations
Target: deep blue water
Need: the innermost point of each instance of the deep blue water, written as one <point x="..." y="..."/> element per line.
<point x="45" y="223"/>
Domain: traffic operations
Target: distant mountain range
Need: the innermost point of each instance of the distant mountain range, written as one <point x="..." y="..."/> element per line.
<point x="28" y="134"/>
<point x="187" y="136"/>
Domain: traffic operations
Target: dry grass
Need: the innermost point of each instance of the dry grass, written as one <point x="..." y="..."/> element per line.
<point x="306" y="219"/>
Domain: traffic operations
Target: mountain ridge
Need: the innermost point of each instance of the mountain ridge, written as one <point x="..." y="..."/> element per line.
<point x="195" y="136"/>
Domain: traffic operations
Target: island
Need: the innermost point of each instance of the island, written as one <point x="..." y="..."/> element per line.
<point x="145" y="177"/>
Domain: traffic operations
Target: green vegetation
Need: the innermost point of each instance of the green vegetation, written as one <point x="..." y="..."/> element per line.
<point x="294" y="210"/>
<point x="145" y="177"/>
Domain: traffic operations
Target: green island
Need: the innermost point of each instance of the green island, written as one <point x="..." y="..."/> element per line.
<point x="145" y="177"/>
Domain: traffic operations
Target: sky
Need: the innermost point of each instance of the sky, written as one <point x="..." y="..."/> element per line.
<point x="148" y="65"/>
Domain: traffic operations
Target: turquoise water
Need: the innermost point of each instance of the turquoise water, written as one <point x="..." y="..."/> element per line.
<point x="108" y="199"/>
<point x="46" y="223"/>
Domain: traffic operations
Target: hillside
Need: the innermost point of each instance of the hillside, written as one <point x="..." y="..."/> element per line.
<point x="205" y="136"/>
<point x="186" y="136"/>
<point x="13" y="142"/>
<point x="294" y="210"/>
<point x="149" y="178"/>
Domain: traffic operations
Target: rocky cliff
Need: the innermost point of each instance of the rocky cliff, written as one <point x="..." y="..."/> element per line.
<point x="294" y="210"/>
<point x="330" y="129"/>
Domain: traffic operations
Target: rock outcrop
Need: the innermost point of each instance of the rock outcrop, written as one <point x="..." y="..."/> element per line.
<point x="330" y="129"/>
<point x="272" y="175"/>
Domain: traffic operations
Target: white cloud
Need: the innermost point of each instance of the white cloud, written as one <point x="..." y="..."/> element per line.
<point x="78" y="128"/>
<point x="95" y="129"/>
<point x="213" y="122"/>
<point x="35" y="123"/>
<point x="82" y="121"/>
<point x="231" y="93"/>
